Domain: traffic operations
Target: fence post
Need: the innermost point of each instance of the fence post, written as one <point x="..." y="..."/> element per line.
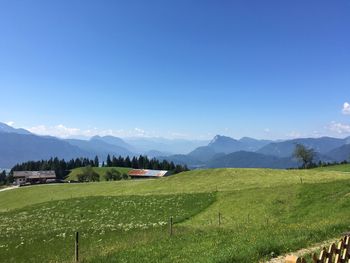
<point x="171" y="226"/>
<point x="76" y="246"/>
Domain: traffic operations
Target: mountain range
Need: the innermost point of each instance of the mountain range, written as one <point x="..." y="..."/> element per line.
<point x="19" y="145"/>
<point x="247" y="152"/>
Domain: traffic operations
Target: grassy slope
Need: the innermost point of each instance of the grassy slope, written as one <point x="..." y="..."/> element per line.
<point x="339" y="168"/>
<point x="100" y="170"/>
<point x="93" y="217"/>
<point x="194" y="181"/>
<point x="263" y="212"/>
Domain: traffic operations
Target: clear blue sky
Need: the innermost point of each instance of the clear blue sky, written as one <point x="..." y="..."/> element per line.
<point x="266" y="69"/>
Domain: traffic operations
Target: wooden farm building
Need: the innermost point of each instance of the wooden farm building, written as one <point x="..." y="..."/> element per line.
<point x="141" y="173"/>
<point x="34" y="177"/>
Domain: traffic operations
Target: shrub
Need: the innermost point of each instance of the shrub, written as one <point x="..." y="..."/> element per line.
<point x="113" y="175"/>
<point x="88" y="175"/>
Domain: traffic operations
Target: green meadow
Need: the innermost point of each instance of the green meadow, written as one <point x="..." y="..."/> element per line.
<point x="263" y="213"/>
<point x="340" y="168"/>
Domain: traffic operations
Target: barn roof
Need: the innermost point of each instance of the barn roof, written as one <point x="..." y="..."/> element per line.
<point x="147" y="173"/>
<point x="35" y="174"/>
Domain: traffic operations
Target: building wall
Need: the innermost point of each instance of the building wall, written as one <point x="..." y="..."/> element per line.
<point x="20" y="181"/>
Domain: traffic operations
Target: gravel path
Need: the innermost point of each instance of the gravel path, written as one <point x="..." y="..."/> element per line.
<point x="8" y="188"/>
<point x="304" y="251"/>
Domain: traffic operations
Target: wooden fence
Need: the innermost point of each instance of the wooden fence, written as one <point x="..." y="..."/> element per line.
<point x="335" y="253"/>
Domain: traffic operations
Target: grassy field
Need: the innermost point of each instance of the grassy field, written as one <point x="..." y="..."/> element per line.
<point x="263" y="213"/>
<point x="101" y="171"/>
<point x="340" y="168"/>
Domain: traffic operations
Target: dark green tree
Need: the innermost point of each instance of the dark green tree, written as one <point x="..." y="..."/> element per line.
<point x="114" y="161"/>
<point x="88" y="175"/>
<point x="125" y="176"/>
<point x="113" y="175"/>
<point x="127" y="162"/>
<point x="96" y="162"/>
<point x="134" y="163"/>
<point x="109" y="162"/>
<point x="3" y="178"/>
<point x="305" y="155"/>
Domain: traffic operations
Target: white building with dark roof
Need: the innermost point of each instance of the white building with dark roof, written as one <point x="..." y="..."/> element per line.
<point x="34" y="177"/>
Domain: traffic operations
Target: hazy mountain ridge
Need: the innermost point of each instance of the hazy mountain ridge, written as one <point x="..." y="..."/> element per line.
<point x="226" y="145"/>
<point x="99" y="147"/>
<point x="15" y="148"/>
<point x="243" y="159"/>
<point x="114" y="141"/>
<point x="224" y="151"/>
<point x="18" y="145"/>
<point x="340" y="154"/>
<point x="169" y="146"/>
<point x="4" y="128"/>
<point x="321" y="145"/>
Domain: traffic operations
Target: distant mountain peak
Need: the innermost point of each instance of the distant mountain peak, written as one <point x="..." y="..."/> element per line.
<point x="8" y="129"/>
<point x="221" y="139"/>
<point x="217" y="137"/>
<point x="347" y="140"/>
<point x="116" y="141"/>
<point x="96" y="137"/>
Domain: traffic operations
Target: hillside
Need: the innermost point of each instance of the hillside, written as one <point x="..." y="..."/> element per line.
<point x="321" y="145"/>
<point x="226" y="145"/>
<point x="98" y="146"/>
<point x="338" y="168"/>
<point x="16" y="148"/>
<point x="4" y="128"/>
<point x="244" y="159"/>
<point x="263" y="212"/>
<point x="340" y="154"/>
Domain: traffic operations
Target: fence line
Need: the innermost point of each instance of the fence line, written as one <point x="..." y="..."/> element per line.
<point x="335" y="253"/>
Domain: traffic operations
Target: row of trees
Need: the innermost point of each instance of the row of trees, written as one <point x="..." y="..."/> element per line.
<point x="60" y="166"/>
<point x="3" y="178"/>
<point x="307" y="157"/>
<point x="143" y="162"/>
<point x="55" y="163"/>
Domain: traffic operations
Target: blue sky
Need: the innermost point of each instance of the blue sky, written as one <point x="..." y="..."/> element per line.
<point x="176" y="69"/>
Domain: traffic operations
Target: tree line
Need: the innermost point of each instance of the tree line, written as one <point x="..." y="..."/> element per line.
<point x="143" y="162"/>
<point x="62" y="167"/>
<point x="307" y="157"/>
<point x="3" y="178"/>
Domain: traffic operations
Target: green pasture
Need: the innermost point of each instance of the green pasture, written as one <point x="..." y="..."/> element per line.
<point x="263" y="213"/>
